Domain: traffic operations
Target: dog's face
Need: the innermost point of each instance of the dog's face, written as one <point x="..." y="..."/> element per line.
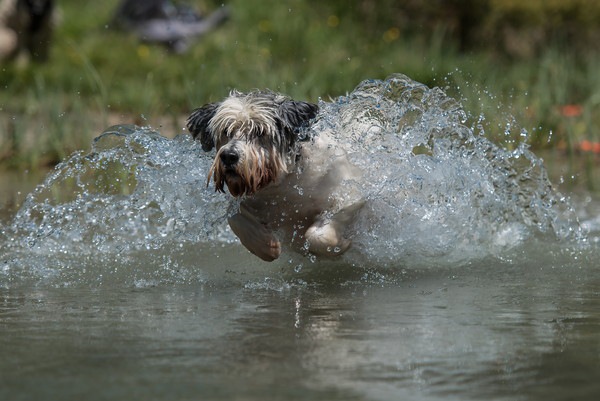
<point x="255" y="135"/>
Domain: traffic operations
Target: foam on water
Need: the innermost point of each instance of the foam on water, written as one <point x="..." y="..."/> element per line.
<point x="137" y="208"/>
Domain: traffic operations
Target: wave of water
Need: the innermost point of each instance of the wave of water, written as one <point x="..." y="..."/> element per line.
<point x="437" y="194"/>
<point x="437" y="191"/>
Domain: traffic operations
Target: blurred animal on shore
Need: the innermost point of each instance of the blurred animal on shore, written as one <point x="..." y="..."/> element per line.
<point x="26" y="26"/>
<point x="291" y="182"/>
<point x="161" y="21"/>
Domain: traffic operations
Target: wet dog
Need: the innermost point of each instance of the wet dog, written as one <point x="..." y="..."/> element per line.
<point x="292" y="182"/>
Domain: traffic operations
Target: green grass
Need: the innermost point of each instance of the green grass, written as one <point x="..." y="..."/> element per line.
<point x="308" y="49"/>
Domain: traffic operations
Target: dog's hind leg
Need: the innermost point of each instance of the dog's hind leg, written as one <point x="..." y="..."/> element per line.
<point x="255" y="236"/>
<point x="326" y="236"/>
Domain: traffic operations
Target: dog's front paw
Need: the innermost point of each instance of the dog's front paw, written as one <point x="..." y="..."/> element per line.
<point x="267" y="251"/>
<point x="326" y="240"/>
<point x="255" y="237"/>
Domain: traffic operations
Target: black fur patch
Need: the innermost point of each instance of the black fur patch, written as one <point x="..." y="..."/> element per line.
<point x="197" y="124"/>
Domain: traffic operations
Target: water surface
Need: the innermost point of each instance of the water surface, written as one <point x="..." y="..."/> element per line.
<point x="490" y="331"/>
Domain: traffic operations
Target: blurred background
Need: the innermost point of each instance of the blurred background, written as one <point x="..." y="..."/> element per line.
<point x="522" y="69"/>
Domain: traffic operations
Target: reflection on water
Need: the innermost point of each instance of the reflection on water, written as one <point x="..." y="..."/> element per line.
<point x="470" y="276"/>
<point x="485" y="332"/>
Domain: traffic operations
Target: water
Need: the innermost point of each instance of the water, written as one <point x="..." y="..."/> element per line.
<point x="470" y="275"/>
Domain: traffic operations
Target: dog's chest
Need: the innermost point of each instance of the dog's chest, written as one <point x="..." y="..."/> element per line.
<point x="287" y="205"/>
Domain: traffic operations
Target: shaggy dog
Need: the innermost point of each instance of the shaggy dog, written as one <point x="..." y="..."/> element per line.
<point x="292" y="183"/>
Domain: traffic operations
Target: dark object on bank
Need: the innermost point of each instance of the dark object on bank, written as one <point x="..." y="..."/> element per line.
<point x="161" y="21"/>
<point x="26" y="26"/>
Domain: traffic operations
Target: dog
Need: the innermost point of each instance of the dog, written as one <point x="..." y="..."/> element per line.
<point x="291" y="181"/>
<point x="26" y="26"/>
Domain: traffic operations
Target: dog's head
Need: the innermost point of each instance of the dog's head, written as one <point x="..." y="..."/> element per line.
<point x="255" y="135"/>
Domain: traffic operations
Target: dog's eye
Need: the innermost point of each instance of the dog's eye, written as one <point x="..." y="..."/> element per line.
<point x="262" y="139"/>
<point x="222" y="139"/>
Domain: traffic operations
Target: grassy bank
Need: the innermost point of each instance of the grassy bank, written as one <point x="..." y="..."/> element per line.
<point x="308" y="49"/>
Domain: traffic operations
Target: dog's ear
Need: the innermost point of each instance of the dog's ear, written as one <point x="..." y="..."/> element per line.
<point x="197" y="124"/>
<point x="296" y="115"/>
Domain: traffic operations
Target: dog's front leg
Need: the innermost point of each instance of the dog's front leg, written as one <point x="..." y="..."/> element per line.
<point x="255" y="236"/>
<point x="326" y="236"/>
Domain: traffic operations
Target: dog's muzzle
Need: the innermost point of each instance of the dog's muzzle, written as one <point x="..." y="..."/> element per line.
<point x="225" y="171"/>
<point x="244" y="168"/>
<point x="229" y="158"/>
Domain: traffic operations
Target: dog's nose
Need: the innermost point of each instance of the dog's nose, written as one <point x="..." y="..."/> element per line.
<point x="229" y="157"/>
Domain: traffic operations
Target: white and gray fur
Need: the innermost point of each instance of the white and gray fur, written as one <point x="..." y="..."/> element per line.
<point x="291" y="183"/>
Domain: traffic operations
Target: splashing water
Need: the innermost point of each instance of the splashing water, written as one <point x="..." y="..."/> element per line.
<point x="437" y="194"/>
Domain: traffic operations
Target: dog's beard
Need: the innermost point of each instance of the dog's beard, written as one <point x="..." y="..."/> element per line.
<point x="256" y="169"/>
